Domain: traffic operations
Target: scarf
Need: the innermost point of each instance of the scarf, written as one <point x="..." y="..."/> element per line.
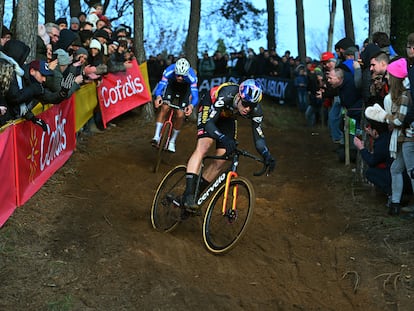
<point x="17" y="69"/>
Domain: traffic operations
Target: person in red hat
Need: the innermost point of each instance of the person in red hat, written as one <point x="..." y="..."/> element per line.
<point x="331" y="99"/>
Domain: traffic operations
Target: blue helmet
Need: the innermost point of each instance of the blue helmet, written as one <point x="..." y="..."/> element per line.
<point x="251" y="91"/>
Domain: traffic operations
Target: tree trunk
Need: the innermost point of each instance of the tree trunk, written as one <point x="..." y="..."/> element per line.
<point x="401" y="24"/>
<point x="139" y="31"/>
<point x="300" y="24"/>
<point x="332" y="13"/>
<point x="271" y="36"/>
<point x="1" y="14"/>
<point x="191" y="42"/>
<point x="50" y="11"/>
<point x="27" y="11"/>
<point x="349" y="23"/>
<point x="147" y="110"/>
<point x="75" y="8"/>
<point x="379" y="16"/>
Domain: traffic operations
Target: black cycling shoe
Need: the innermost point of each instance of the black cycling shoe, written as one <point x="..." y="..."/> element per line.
<point x="154" y="143"/>
<point x="190" y="205"/>
<point x="394" y="209"/>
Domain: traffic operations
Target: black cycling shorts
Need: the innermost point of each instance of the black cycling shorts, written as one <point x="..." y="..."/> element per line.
<point x="177" y="90"/>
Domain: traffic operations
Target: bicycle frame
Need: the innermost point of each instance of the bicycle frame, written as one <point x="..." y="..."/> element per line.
<point x="169" y="121"/>
<point x="166" y="130"/>
<point x="226" y="177"/>
<point x="167" y="210"/>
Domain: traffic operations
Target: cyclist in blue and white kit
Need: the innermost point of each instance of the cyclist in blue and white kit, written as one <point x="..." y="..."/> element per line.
<point x="177" y="79"/>
<point x="217" y="122"/>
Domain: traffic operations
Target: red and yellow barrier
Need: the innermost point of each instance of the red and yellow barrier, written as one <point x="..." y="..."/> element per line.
<point x="29" y="156"/>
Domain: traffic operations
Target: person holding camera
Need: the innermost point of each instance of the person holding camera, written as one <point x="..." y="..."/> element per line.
<point x="62" y="67"/>
<point x="377" y="157"/>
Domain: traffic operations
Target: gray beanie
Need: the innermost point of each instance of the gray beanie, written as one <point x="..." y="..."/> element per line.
<point x="80" y="51"/>
<point x="74" y="20"/>
<point x="63" y="57"/>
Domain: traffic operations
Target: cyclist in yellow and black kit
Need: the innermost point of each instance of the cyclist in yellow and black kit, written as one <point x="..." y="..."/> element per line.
<point x="217" y="121"/>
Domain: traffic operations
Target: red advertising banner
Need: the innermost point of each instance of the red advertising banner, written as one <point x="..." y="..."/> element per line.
<point x="122" y="91"/>
<point x="8" y="183"/>
<point x="40" y="154"/>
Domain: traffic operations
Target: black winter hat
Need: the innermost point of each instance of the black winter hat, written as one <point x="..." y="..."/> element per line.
<point x="101" y="33"/>
<point x="61" y="20"/>
<point x="66" y="39"/>
<point x="18" y="50"/>
<point x="344" y="43"/>
<point x="5" y="31"/>
<point x="370" y="51"/>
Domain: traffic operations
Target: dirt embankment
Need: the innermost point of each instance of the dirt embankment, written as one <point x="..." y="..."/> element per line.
<point x="318" y="240"/>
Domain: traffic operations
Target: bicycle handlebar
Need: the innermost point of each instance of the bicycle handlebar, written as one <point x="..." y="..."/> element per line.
<point x="173" y="106"/>
<point x="243" y="153"/>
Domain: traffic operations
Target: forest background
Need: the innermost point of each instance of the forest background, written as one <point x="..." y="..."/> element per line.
<point x="236" y="25"/>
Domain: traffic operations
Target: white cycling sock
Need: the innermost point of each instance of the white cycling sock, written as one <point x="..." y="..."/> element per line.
<point x="158" y="127"/>
<point x="174" y="135"/>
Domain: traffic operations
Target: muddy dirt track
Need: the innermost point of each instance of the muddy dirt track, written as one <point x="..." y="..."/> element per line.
<point x="318" y="239"/>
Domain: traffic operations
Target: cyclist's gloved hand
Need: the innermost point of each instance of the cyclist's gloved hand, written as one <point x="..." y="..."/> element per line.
<point x="41" y="123"/>
<point x="269" y="161"/>
<point x="66" y="85"/>
<point x="31" y="117"/>
<point x="228" y="143"/>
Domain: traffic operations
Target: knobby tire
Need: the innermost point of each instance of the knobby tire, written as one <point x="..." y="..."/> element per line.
<point x="221" y="233"/>
<point x="165" y="215"/>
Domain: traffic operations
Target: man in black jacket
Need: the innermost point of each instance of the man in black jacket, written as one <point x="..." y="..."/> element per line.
<point x="26" y="87"/>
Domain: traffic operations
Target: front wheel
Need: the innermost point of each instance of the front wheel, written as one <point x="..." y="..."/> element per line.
<point x="222" y="231"/>
<point x="165" y="210"/>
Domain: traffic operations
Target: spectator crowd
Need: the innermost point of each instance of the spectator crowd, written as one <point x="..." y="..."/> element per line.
<point x="67" y="56"/>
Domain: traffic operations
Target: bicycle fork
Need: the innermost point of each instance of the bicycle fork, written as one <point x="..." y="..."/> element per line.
<point x="230" y="175"/>
<point x="169" y="122"/>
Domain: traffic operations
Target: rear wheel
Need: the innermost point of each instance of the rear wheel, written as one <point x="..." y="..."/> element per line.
<point x="165" y="133"/>
<point x="165" y="210"/>
<point x="221" y="232"/>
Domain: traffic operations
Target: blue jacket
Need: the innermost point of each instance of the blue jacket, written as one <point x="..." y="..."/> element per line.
<point x="169" y="75"/>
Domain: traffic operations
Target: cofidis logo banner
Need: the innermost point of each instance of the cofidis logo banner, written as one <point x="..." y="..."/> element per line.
<point x="122" y="91"/>
<point x="41" y="153"/>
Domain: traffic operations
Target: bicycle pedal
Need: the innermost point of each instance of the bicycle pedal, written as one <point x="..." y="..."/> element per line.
<point x="193" y="211"/>
<point x="184" y="215"/>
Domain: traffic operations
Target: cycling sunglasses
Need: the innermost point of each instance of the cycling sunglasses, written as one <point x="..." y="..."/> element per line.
<point x="247" y="104"/>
